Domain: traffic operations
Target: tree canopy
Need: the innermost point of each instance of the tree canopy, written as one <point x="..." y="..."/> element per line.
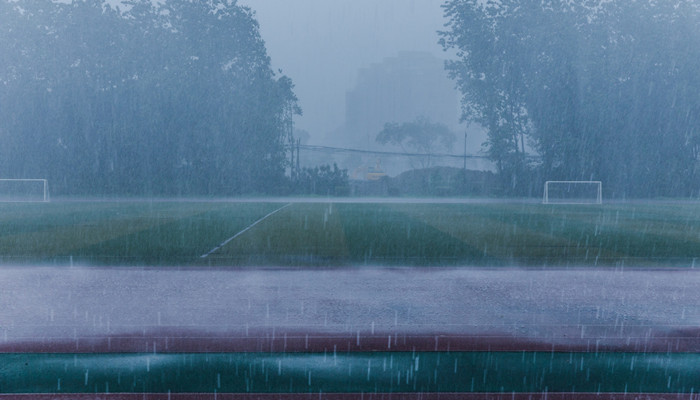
<point x="598" y="90"/>
<point x="421" y="135"/>
<point x="164" y="98"/>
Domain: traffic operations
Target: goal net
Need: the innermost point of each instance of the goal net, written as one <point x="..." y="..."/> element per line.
<point x="24" y="190"/>
<point x="573" y="192"/>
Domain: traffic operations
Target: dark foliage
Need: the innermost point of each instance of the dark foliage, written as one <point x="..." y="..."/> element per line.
<point x="322" y="180"/>
<point x="175" y="99"/>
<point x="599" y="90"/>
<point x="444" y="181"/>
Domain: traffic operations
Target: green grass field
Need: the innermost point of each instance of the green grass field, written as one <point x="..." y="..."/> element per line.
<point x="169" y="233"/>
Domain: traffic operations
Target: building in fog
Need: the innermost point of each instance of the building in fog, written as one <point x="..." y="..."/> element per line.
<point x="399" y="89"/>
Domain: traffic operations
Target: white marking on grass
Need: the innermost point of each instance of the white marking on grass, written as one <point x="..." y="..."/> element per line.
<point x="225" y="242"/>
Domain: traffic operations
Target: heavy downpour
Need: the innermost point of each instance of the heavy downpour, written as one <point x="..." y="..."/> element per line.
<point x="343" y="199"/>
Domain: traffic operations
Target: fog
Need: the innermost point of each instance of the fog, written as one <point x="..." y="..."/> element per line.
<point x="455" y="97"/>
<point x="331" y="49"/>
<point x="324" y="44"/>
<point x="344" y="198"/>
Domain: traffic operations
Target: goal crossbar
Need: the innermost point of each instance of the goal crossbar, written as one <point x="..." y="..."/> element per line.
<point x="596" y="195"/>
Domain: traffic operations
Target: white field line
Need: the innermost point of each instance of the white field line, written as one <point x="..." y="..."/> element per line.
<point x="225" y="242"/>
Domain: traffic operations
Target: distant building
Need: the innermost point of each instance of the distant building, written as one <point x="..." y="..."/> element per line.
<point x="399" y="89"/>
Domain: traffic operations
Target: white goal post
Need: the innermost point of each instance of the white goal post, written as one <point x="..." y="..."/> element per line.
<point x="24" y="190"/>
<point x="573" y="192"/>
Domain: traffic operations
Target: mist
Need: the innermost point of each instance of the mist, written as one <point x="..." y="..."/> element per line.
<point x="323" y="45"/>
<point x="462" y="97"/>
<point x="349" y="198"/>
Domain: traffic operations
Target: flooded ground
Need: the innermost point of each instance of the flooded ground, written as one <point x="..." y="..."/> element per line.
<point x="140" y="309"/>
<point x="376" y="333"/>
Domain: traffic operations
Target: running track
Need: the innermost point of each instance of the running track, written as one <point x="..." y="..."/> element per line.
<point x="380" y="333"/>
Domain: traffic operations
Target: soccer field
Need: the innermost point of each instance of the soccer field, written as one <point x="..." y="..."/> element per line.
<point x="289" y="299"/>
<point x="318" y="233"/>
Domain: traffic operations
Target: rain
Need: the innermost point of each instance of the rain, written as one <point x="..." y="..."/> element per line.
<point x="349" y="199"/>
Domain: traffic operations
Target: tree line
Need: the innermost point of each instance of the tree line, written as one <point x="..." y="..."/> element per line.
<point x="596" y="90"/>
<point x="175" y="98"/>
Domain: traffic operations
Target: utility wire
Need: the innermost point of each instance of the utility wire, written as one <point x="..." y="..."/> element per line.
<point x="328" y="149"/>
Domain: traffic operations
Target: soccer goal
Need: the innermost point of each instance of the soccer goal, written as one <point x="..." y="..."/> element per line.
<point x="573" y="192"/>
<point x="24" y="190"/>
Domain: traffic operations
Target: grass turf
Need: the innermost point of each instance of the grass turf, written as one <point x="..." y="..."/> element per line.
<point x="337" y="234"/>
<point x="119" y="233"/>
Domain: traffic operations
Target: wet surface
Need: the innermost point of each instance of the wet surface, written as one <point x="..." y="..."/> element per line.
<point x="47" y="309"/>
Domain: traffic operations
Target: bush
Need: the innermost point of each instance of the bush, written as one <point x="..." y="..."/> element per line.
<point x="322" y="180"/>
<point x="444" y="181"/>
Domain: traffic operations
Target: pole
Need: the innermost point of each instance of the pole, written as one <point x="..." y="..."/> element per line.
<point x="298" y="166"/>
<point x="465" y="149"/>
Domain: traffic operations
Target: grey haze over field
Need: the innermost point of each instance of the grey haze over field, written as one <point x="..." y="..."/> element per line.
<point x="323" y="44"/>
<point x="177" y="97"/>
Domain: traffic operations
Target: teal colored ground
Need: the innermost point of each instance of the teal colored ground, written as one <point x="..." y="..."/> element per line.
<point x="351" y="372"/>
<point x="341" y="234"/>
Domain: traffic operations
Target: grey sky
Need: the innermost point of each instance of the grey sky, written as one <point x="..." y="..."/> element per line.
<point x="321" y="44"/>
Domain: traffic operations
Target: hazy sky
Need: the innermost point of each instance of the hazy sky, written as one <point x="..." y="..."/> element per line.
<point x="321" y="44"/>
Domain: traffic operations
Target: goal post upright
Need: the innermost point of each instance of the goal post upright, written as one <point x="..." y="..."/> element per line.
<point x="589" y="197"/>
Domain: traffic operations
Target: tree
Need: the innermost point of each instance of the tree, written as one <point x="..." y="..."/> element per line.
<point x="421" y="135"/>
<point x="322" y="180"/>
<point x="166" y="98"/>
<point x="601" y="90"/>
<point x="489" y="72"/>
